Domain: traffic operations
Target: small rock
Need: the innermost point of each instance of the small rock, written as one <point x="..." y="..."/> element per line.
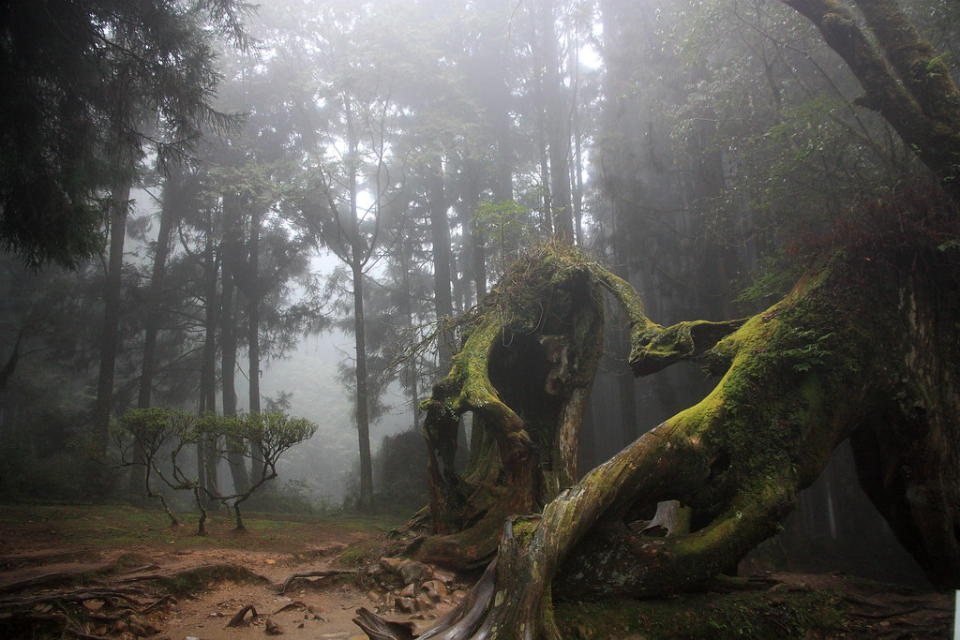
<point x="415" y="572"/>
<point x="435" y="589"/>
<point x="406" y="605"/>
<point x="373" y="595"/>
<point x="445" y="576"/>
<point x="272" y="628"/>
<point x="409" y="591"/>
<point x="423" y="603"/>
<point x="392" y="564"/>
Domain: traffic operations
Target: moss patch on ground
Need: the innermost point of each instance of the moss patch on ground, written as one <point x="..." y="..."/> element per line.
<point x="779" y="614"/>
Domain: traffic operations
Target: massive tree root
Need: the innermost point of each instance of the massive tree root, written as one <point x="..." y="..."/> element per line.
<point x="860" y="346"/>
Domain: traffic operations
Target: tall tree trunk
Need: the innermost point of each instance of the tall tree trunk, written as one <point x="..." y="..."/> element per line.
<point x="207" y="458"/>
<point x="119" y="205"/>
<point x="358" y="254"/>
<point x="254" y="296"/>
<point x="228" y="331"/>
<point x="546" y="202"/>
<point x="577" y="168"/>
<point x="363" y="415"/>
<point x="410" y="374"/>
<point x="440" y="238"/>
<point x="168" y="216"/>
<point x="470" y="196"/>
<point x="557" y="120"/>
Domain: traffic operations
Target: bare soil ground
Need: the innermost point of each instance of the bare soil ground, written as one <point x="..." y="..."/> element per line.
<point x="120" y="572"/>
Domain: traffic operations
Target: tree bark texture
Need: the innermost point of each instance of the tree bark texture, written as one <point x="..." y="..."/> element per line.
<point x="863" y="346"/>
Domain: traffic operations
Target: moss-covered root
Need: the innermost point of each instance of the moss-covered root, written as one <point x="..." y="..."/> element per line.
<point x="795" y="388"/>
<point x="519" y="606"/>
<point x="653" y="347"/>
<point x="525" y="371"/>
<point x="468" y="388"/>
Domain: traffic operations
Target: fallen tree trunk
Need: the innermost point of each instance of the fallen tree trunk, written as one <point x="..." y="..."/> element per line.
<point x="865" y="344"/>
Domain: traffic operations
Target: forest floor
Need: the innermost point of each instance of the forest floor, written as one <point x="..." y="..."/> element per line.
<point x="122" y="572"/>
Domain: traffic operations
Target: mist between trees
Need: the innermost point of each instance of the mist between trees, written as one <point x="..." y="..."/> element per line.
<point x="300" y="210"/>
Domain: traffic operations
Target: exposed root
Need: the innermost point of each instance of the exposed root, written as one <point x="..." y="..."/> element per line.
<point x="238" y="618"/>
<point x="379" y="629"/>
<point x="296" y="604"/>
<point x="326" y="573"/>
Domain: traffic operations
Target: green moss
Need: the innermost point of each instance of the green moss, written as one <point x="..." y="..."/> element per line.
<point x="361" y="553"/>
<point x="202" y="578"/>
<point x="759" y="615"/>
<point x="523" y="529"/>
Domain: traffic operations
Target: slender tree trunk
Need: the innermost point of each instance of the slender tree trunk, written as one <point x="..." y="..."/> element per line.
<point x="168" y="216"/>
<point x="363" y="416"/>
<point x="558" y="134"/>
<point x="357" y="256"/>
<point x="440" y="237"/>
<point x="546" y="202"/>
<point x="254" y="296"/>
<point x="207" y="447"/>
<point x="471" y="202"/>
<point x="406" y="310"/>
<point x="577" y="168"/>
<point x="228" y="331"/>
<point x="110" y="332"/>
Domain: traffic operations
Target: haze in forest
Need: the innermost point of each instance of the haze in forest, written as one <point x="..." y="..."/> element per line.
<point x="298" y="209"/>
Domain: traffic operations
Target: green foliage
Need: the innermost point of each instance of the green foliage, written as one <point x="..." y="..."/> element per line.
<point x="83" y="87"/>
<point x="274" y="432"/>
<point x="508" y="224"/>
<point x="265" y="436"/>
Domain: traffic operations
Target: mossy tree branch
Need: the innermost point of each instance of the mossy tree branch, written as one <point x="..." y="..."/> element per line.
<point x="903" y="80"/>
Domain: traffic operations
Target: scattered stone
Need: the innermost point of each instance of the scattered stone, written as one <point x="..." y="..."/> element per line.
<point x="445" y="576"/>
<point x="406" y="605"/>
<point x="409" y="591"/>
<point x="410" y="571"/>
<point x="415" y="572"/>
<point x="435" y="590"/>
<point x="272" y="628"/>
<point x="391" y="564"/>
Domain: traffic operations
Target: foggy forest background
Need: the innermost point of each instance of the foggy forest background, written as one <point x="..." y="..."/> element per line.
<point x="409" y="151"/>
